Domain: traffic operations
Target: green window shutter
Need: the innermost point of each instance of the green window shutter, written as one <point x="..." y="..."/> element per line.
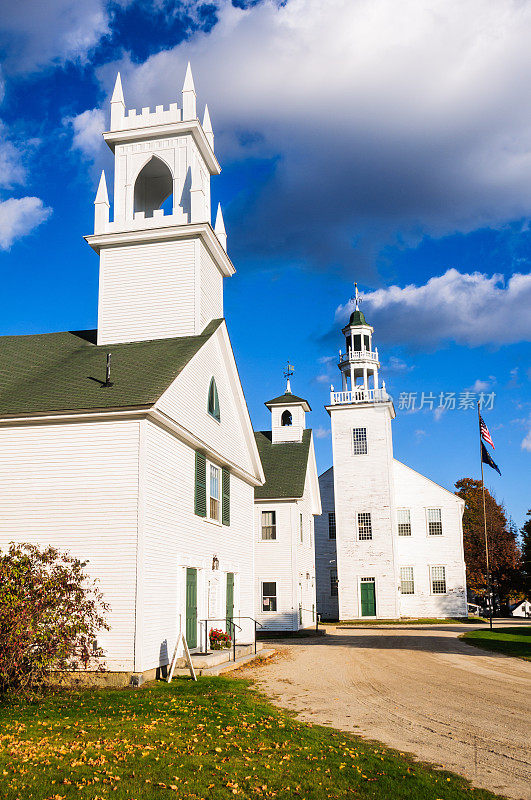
<point x="225" y="496"/>
<point x="200" y="485"/>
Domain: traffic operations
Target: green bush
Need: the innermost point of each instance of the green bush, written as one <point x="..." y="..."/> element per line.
<point x="50" y="614"/>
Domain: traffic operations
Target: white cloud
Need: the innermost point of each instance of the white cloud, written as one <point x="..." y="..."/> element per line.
<point x="36" y="34"/>
<point x="87" y="128"/>
<point x="12" y="170"/>
<point x="18" y="217"/>
<point x="467" y="308"/>
<point x="482" y="386"/>
<point x="390" y="120"/>
<point x="321" y="433"/>
<point x="395" y="364"/>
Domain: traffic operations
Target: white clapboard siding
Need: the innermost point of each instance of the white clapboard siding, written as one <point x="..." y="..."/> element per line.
<point x="147" y="291"/>
<point x="364" y="483"/>
<point x="305" y="554"/>
<point x="275" y="560"/>
<point x="186" y="401"/>
<point x="75" y="486"/>
<point x="211" y="281"/>
<point x="174" y="537"/>
<point x="286" y="560"/>
<point x="422" y="551"/>
<point x="325" y="550"/>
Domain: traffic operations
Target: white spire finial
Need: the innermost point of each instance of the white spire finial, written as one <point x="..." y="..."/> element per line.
<point x="357" y="297"/>
<point x="207" y="128"/>
<point x="117" y="105"/>
<point x="101" y="206"/>
<point x="118" y="93"/>
<point x="101" y="194"/>
<point x="189" y="102"/>
<point x="219" y="228"/>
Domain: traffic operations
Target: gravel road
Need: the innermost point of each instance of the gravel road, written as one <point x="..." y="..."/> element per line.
<point x="420" y="690"/>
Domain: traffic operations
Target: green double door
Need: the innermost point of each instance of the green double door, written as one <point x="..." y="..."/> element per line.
<point x="191" y="607"/>
<point x="368" y="598"/>
<point x="229" y="605"/>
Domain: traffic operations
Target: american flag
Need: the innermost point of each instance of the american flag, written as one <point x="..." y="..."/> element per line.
<point x="485" y="432"/>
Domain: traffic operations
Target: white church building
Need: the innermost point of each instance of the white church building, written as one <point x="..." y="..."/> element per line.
<point x="389" y="543"/>
<point x="285" y="508"/>
<point x="131" y="446"/>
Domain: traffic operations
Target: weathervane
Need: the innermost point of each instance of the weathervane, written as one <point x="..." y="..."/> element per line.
<point x="356" y="298"/>
<point x="288" y="372"/>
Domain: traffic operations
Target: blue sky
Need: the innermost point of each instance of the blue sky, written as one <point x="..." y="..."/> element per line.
<point x="383" y="142"/>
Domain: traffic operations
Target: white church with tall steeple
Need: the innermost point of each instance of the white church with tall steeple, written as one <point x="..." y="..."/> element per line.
<point x="131" y="446"/>
<point x="389" y="543"/>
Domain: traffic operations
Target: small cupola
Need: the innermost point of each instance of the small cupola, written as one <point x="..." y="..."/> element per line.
<point x="359" y="363"/>
<point x="288" y="414"/>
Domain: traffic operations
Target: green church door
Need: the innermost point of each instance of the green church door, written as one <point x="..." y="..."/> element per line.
<point x="368" y="597"/>
<point x="229" y="606"/>
<point x="191" y="607"/>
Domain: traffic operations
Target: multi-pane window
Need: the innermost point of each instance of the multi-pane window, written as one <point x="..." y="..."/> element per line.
<point x="364" y="525"/>
<point x="407" y="583"/>
<point x="301" y="527"/>
<point x="215" y="505"/>
<point x="269" y="524"/>
<point x="434" y="522"/>
<point x="404" y="522"/>
<point x="269" y="596"/>
<point x="438" y="580"/>
<point x="333" y="583"/>
<point x="359" y="441"/>
<point x="331" y="524"/>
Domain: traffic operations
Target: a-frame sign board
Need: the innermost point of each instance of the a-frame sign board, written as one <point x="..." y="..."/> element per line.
<point x="187" y="656"/>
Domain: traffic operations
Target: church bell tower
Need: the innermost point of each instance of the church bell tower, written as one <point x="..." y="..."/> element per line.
<point x="362" y="445"/>
<point x="162" y="263"/>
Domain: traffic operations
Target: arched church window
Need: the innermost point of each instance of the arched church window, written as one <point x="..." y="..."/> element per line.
<point x="286" y="418"/>
<point x="153" y="186"/>
<point x="213" y="400"/>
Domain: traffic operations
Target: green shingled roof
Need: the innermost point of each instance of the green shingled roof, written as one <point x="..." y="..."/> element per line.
<point x="65" y="371"/>
<point x="285" y="465"/>
<point x="286" y="399"/>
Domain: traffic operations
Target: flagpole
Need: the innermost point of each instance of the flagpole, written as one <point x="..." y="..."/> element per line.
<point x="489" y="585"/>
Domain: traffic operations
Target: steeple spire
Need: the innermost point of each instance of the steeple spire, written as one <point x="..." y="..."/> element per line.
<point x="207" y="128"/>
<point x="101" y="206"/>
<point x="117" y="104"/>
<point x="219" y="228"/>
<point x="189" y="99"/>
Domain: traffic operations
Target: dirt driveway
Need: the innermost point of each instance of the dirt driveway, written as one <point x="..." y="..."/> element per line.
<point x="418" y="689"/>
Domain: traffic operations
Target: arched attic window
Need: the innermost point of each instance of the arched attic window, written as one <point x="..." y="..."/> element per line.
<point x="213" y="400"/>
<point x="286" y="418"/>
<point x="154" y="185"/>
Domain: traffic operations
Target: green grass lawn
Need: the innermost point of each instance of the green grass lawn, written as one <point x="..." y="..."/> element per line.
<point x="420" y="621"/>
<point x="216" y="738"/>
<point x="510" y="641"/>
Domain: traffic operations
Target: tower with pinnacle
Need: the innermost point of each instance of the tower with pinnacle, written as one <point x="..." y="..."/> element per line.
<point x="361" y="415"/>
<point x="162" y="262"/>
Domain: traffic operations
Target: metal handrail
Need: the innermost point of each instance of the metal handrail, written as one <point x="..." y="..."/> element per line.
<point x="255" y="624"/>
<point x="226" y="620"/>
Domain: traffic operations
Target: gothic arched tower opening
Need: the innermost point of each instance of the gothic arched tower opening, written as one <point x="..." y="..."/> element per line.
<point x="154" y="184"/>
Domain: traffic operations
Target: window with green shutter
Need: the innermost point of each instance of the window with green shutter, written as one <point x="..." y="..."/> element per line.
<point x="200" y="485"/>
<point x="225" y="496"/>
